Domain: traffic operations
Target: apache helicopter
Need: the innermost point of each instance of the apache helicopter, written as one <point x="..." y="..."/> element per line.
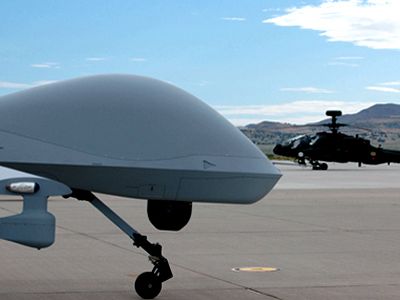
<point x="334" y="146"/>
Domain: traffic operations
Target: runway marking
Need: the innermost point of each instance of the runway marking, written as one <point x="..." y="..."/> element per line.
<point x="255" y="269"/>
<point x="262" y="293"/>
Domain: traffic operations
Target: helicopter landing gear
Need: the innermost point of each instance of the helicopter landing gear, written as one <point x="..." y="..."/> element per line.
<point x="301" y="162"/>
<point x="147" y="285"/>
<point x="319" y="166"/>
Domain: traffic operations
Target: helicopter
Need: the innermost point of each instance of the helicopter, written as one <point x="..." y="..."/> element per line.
<point x="334" y="146"/>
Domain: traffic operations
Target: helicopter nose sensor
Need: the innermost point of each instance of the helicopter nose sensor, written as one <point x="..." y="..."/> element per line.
<point x="278" y="149"/>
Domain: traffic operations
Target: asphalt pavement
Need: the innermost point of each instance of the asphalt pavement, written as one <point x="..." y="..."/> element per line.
<point x="318" y="235"/>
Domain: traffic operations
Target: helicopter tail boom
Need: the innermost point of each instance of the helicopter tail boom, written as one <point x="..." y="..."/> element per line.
<point x="389" y="156"/>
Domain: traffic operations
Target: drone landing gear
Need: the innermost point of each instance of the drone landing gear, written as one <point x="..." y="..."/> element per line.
<point x="147" y="285"/>
<point x="316" y="165"/>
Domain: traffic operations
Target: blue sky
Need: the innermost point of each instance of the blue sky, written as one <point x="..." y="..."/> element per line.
<point x="251" y="60"/>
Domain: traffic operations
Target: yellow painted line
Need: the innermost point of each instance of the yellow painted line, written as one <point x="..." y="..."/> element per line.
<point x="255" y="269"/>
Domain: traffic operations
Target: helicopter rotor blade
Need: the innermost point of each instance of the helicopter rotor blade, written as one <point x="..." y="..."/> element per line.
<point x="361" y="128"/>
<point x="336" y="125"/>
<point x="373" y="131"/>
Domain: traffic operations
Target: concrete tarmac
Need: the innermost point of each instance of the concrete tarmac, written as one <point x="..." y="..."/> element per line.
<point x="332" y="234"/>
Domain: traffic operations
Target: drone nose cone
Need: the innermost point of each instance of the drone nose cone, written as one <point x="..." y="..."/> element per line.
<point x="271" y="176"/>
<point x="273" y="171"/>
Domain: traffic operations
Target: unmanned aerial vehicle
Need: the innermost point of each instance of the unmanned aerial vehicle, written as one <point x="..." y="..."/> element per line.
<point x="129" y="136"/>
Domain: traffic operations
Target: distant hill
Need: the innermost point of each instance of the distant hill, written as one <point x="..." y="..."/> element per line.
<point x="382" y="119"/>
<point x="382" y="112"/>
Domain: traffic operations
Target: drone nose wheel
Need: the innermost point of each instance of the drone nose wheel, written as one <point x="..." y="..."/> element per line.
<point x="147" y="285"/>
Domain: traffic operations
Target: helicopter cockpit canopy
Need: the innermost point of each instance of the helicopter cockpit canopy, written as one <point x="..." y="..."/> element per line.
<point x="314" y="139"/>
<point x="295" y="142"/>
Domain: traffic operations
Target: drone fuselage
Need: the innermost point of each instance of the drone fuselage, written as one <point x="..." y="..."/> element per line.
<point x="131" y="136"/>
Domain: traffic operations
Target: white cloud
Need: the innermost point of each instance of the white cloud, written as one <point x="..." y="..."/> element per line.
<point x="343" y="64"/>
<point x="46" y="65"/>
<point x="383" y="89"/>
<point x="237" y="19"/>
<point x="42" y="82"/>
<point x="391" y="83"/>
<point x="296" y="112"/>
<point x="387" y="87"/>
<point x="369" y="23"/>
<point x="20" y="86"/>
<point x="40" y="66"/>
<point x="203" y="83"/>
<point x="138" y="59"/>
<point x="96" y="58"/>
<point x="271" y="9"/>
<point x="349" y="57"/>
<point x="346" y="61"/>
<point x="13" y="85"/>
<point x="308" y="89"/>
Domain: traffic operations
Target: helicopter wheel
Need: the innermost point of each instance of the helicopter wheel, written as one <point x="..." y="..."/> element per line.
<point x="318" y="166"/>
<point x="147" y="285"/>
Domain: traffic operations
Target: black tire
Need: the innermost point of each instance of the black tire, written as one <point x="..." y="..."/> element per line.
<point x="324" y="166"/>
<point x="147" y="285"/>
